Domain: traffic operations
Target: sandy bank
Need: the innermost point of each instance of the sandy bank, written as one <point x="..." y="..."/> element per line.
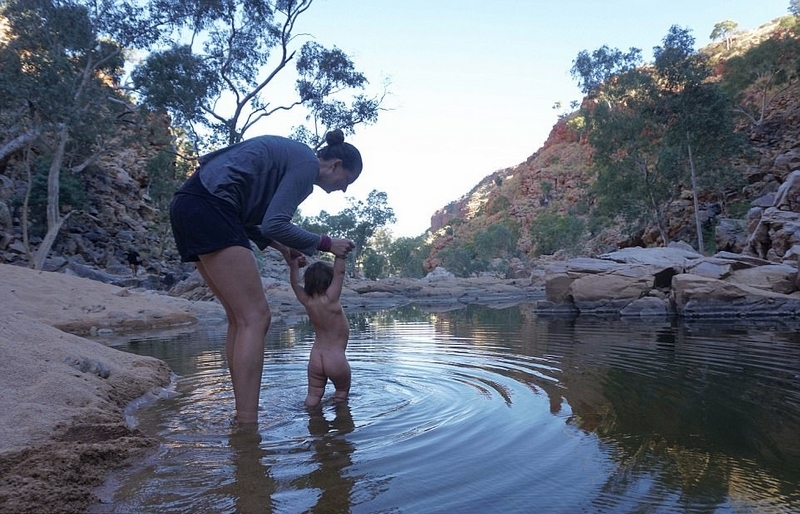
<point x="62" y="396"/>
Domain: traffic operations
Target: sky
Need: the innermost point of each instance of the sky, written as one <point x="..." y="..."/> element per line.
<point x="472" y="84"/>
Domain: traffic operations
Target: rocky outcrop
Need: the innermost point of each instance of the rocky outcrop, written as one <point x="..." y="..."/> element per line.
<point x="554" y="180"/>
<point x="673" y="281"/>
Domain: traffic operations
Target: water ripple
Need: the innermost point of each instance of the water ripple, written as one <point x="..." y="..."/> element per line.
<point x="460" y="414"/>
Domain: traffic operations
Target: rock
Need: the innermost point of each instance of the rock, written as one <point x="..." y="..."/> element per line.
<point x="655" y="285"/>
<point x="779" y="278"/>
<point x="788" y="161"/>
<point x="730" y="234"/>
<point x="438" y="273"/>
<point x="647" y="307"/>
<point x="694" y="296"/>
<point x="675" y="256"/>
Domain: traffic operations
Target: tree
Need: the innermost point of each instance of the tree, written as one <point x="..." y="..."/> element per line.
<point x="593" y="70"/>
<point x="58" y="80"/>
<point x="406" y="256"/>
<point x="659" y="131"/>
<point x="367" y="216"/>
<point x="216" y="78"/>
<point x="552" y="232"/>
<point x="461" y="259"/>
<point x="724" y="30"/>
<point x="794" y="7"/>
<point x="771" y="68"/>
<point x="358" y="221"/>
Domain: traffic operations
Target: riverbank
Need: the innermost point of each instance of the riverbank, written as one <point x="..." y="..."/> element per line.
<point x="63" y="396"/>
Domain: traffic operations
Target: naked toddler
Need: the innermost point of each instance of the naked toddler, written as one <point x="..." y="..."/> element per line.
<point x="320" y="296"/>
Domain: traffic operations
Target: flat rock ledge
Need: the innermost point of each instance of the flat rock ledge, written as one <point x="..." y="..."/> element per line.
<point x="671" y="281"/>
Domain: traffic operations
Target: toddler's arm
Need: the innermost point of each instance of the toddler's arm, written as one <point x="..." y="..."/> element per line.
<point x="295" y="263"/>
<point x="335" y="289"/>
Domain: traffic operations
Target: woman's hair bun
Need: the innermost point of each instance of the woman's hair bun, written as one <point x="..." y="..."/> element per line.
<point x="334" y="137"/>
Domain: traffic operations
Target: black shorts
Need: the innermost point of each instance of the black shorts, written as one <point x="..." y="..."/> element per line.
<point x="202" y="223"/>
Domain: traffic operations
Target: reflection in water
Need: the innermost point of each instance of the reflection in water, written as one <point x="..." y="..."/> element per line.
<point x="332" y="452"/>
<point x="488" y="410"/>
<point x="253" y="488"/>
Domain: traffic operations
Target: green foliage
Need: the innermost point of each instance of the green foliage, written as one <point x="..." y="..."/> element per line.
<point x="72" y="193"/>
<point x="406" y="256"/>
<point x="469" y="256"/>
<point x="358" y="222"/>
<point x="374" y="264"/>
<point x="788" y="22"/>
<point x="651" y="128"/>
<point x="497" y="241"/>
<point x="709" y="230"/>
<point x="769" y="67"/>
<point x="43" y="73"/>
<point x="724" y="30"/>
<point x="593" y="70"/>
<point x="227" y="77"/>
<point x="499" y="204"/>
<point x="177" y="81"/>
<point x="165" y="176"/>
<point x="577" y="124"/>
<point x="738" y="209"/>
<point x="462" y="260"/>
<point x="552" y="232"/>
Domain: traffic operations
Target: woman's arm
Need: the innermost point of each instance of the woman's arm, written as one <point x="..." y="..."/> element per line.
<point x="288" y="253"/>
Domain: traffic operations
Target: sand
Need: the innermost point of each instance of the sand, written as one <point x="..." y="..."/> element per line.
<point x="62" y="396"/>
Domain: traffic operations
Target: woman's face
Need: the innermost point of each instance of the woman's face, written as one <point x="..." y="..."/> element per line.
<point x="333" y="176"/>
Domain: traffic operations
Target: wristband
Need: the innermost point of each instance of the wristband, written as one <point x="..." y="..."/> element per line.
<point x="324" y="243"/>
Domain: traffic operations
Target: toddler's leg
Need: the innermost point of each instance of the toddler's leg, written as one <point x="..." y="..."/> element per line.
<point x="341" y="377"/>
<point x="316" y="383"/>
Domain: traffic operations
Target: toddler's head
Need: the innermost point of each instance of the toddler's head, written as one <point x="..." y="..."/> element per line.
<point x="317" y="278"/>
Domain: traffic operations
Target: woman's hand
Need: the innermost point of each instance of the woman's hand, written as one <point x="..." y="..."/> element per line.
<point x="297" y="261"/>
<point x="341" y="247"/>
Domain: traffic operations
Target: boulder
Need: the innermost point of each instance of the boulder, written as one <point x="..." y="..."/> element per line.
<point x="694" y="296"/>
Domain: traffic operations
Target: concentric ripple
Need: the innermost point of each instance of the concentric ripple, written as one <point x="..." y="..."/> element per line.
<point x="481" y="411"/>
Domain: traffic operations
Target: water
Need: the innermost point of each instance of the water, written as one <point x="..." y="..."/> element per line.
<point x="482" y="411"/>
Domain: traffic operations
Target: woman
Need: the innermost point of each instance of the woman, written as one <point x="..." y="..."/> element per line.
<point x="250" y="191"/>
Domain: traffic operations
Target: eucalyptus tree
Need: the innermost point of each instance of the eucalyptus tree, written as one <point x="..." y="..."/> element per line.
<point x="60" y="64"/>
<point x="359" y="221"/>
<point x="656" y="131"/>
<point x="770" y="68"/>
<point x="407" y="255"/>
<point x="629" y="185"/>
<point x="224" y="70"/>
<point x="700" y="137"/>
<point x="724" y="30"/>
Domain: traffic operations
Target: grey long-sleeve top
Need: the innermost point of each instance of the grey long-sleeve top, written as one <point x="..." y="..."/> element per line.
<point x="265" y="178"/>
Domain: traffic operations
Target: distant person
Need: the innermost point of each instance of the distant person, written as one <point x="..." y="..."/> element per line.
<point x="250" y="191"/>
<point x="320" y="296"/>
<point x="134" y="261"/>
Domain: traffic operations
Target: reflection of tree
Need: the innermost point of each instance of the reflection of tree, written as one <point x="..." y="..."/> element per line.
<point x="254" y="486"/>
<point x="697" y="414"/>
<point x="332" y="451"/>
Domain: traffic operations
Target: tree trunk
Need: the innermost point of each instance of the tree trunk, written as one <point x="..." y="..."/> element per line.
<point x="54" y="220"/>
<point x="25" y="203"/>
<point x="700" y="243"/>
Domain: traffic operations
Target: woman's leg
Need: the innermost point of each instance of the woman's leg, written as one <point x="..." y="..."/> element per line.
<point x="233" y="275"/>
<point x="230" y="335"/>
